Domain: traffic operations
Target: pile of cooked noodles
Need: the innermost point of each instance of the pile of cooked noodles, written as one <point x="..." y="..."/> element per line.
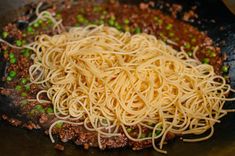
<point x="109" y="81"/>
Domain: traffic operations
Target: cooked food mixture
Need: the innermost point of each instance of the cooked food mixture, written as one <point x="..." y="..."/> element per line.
<point x="104" y="78"/>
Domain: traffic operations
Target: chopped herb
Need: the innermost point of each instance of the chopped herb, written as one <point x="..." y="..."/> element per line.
<point x="190" y="54"/>
<point x="9" y="78"/>
<point x="13" y="60"/>
<point x="212" y="54"/>
<point x="143" y="135"/>
<point x="36" y="24"/>
<point x="118" y="26"/>
<point x="19" y="43"/>
<point x="23" y="102"/>
<point x="23" y="94"/>
<point x="59" y="125"/>
<point x="171" y="34"/>
<point x="225" y="69"/>
<point x="129" y="130"/>
<point x="27" y="87"/>
<point x="97" y="9"/>
<point x="12" y="74"/>
<point x="18" y="88"/>
<point x="126" y="21"/>
<point x="187" y="45"/>
<point x="169" y="26"/>
<point x="5" y="52"/>
<point x="5" y="34"/>
<point x="25" y="53"/>
<point x="30" y="29"/>
<point x="157" y="132"/>
<point x="81" y="19"/>
<point x="150" y="134"/>
<point x="111" y="22"/>
<point x="40" y="21"/>
<point x="11" y="55"/>
<point x="137" y="30"/>
<point x="49" y="110"/>
<point x="23" y="80"/>
<point x="38" y="107"/>
<point x="205" y="61"/>
<point x="194" y="40"/>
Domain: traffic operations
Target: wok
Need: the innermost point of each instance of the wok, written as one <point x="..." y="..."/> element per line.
<point x="214" y="18"/>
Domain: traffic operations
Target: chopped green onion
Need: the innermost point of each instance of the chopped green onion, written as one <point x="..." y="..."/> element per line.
<point x="111" y="22"/>
<point x="157" y="132"/>
<point x="137" y="30"/>
<point x="5" y="34"/>
<point x="187" y="45"/>
<point x="19" y="43"/>
<point x="30" y="29"/>
<point x="143" y="135"/>
<point x="59" y="125"/>
<point x="171" y="34"/>
<point x="11" y="55"/>
<point x="5" y="52"/>
<point x="36" y="24"/>
<point x="40" y="21"/>
<point x="193" y="40"/>
<point x="225" y="69"/>
<point x="212" y="54"/>
<point x="205" y="61"/>
<point x="9" y="78"/>
<point x="190" y="54"/>
<point x="12" y="74"/>
<point x="18" y="88"/>
<point x="23" y="80"/>
<point x="25" y="52"/>
<point x="126" y="21"/>
<point x="169" y="26"/>
<point x="23" y="94"/>
<point x="13" y="60"/>
<point x="49" y="110"/>
<point x="129" y="130"/>
<point x="118" y="26"/>
<point x="80" y="19"/>
<point x="38" y="107"/>
<point x="27" y="87"/>
<point x="23" y="102"/>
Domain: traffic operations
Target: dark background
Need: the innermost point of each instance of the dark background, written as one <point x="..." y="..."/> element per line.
<point x="213" y="14"/>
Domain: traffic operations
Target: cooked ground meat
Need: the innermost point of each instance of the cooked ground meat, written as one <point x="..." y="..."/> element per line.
<point x="135" y="19"/>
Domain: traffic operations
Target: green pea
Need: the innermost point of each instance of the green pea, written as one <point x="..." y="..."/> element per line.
<point x="23" y="80"/>
<point x="23" y="94"/>
<point x="225" y="69"/>
<point x="129" y="130"/>
<point x="49" y="110"/>
<point x="11" y="55"/>
<point x="126" y="21"/>
<point x="13" y="60"/>
<point x="205" y="61"/>
<point x="19" y="43"/>
<point x="59" y="125"/>
<point x="27" y="87"/>
<point x="12" y="74"/>
<point x="5" y="34"/>
<point x="169" y="26"/>
<point x="137" y="30"/>
<point x="18" y="88"/>
<point x="9" y="78"/>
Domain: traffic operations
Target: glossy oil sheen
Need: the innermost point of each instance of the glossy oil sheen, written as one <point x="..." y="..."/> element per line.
<point x="21" y="142"/>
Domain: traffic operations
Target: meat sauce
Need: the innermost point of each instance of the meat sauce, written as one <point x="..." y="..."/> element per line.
<point x="131" y="18"/>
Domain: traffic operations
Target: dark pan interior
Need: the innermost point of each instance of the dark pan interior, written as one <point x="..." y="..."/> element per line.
<point x="214" y="18"/>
